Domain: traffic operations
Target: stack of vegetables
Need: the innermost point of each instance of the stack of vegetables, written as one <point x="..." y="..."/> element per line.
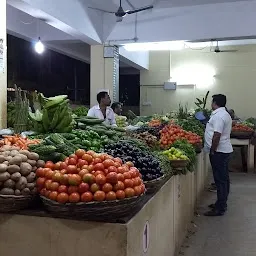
<point x="17" y="171"/>
<point x="54" y="115"/>
<point x="191" y="125"/>
<point x="146" y="163"/>
<point x="88" y="176"/>
<point x="237" y="127"/>
<point x="80" y="111"/>
<point x="170" y="133"/>
<point x="175" y="154"/>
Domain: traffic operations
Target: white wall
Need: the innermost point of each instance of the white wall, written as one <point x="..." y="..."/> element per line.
<point x="233" y="74"/>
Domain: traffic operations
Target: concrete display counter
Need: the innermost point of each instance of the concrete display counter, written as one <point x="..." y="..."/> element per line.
<point x="158" y="229"/>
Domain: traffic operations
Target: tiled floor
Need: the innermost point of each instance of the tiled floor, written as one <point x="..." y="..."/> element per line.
<point x="233" y="234"/>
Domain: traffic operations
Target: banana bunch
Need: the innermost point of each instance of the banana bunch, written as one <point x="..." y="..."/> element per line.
<point x="55" y="116"/>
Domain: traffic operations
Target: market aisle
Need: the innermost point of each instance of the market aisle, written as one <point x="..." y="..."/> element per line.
<point x="233" y="234"/>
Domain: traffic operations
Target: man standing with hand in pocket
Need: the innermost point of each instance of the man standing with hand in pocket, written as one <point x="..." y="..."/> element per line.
<point x="218" y="144"/>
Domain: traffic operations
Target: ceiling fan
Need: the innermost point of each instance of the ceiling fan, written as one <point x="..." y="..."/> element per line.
<point x="217" y="49"/>
<point x="121" y="13"/>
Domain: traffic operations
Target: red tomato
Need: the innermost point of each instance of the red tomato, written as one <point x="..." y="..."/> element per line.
<point x="49" y="164"/>
<point x="87" y="158"/>
<point x="142" y="186"/>
<point x="135" y="170"/>
<point x="63" y="165"/>
<point x="121" y="169"/>
<point x="42" y="192"/>
<point x="120" y="177"/>
<point x="100" y="179"/>
<point x="88" y="178"/>
<point x="94" y="187"/>
<point x="119" y="186"/>
<point x="110" y="196"/>
<point x="127" y="175"/>
<point x="98" y="172"/>
<point x="117" y="164"/>
<point x="83" y="172"/>
<point x="62" y="198"/>
<point x="129" y="192"/>
<point x="107" y="187"/>
<point x="64" y="179"/>
<point x="133" y="173"/>
<point x="73" y="156"/>
<point x="47" y="193"/>
<point x="74" y="179"/>
<point x="90" y="168"/>
<point x="72" y="169"/>
<point x="137" y="181"/>
<point x="101" y="156"/>
<point x="80" y="152"/>
<point x="112" y="169"/>
<point x="54" y="186"/>
<point x="137" y="190"/>
<point x="120" y="194"/>
<point x="112" y="178"/>
<point x="99" y="196"/>
<point x="108" y="162"/>
<point x="48" y="184"/>
<point x="57" y="166"/>
<point x="81" y="163"/>
<point x="99" y="167"/>
<point x="83" y="187"/>
<point x="40" y="172"/>
<point x="74" y="198"/>
<point x="87" y="197"/>
<point x="118" y="160"/>
<point x="72" y="161"/>
<point x="72" y="189"/>
<point x="40" y="182"/>
<point x="49" y="173"/>
<point x="128" y="183"/>
<point x="63" y="189"/>
<point x="90" y="152"/>
<point x="53" y="195"/>
<point x="57" y="176"/>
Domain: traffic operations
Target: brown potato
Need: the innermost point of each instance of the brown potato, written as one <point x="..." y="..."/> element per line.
<point x="3" y="168"/>
<point x="25" y="191"/>
<point x="25" y="169"/>
<point x="31" y="177"/>
<point x="16" y="176"/>
<point x="9" y="184"/>
<point x="13" y="168"/>
<point x="4" y="176"/>
<point x="32" y="162"/>
<point x="40" y="163"/>
<point x="23" y="157"/>
<point x="7" y="191"/>
<point x="2" y="158"/>
<point x="22" y="183"/>
<point x="33" y="156"/>
<point x="16" y="160"/>
<point x="17" y="192"/>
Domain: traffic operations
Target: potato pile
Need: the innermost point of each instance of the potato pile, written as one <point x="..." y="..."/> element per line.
<point x="17" y="171"/>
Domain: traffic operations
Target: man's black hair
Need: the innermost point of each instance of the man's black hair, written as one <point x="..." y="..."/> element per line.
<point x="220" y="100"/>
<point x="100" y="96"/>
<point x="115" y="105"/>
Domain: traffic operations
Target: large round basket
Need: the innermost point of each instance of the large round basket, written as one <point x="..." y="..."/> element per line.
<point x="9" y="203"/>
<point x="154" y="185"/>
<point x="107" y="211"/>
<point x="179" y="163"/>
<point x="241" y="134"/>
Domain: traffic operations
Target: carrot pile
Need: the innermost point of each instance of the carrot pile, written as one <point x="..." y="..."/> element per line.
<point x="18" y="141"/>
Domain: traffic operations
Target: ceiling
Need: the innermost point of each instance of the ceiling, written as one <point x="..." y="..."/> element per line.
<point x="70" y="26"/>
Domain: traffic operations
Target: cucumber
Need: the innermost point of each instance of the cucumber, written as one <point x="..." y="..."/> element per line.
<point x="118" y="129"/>
<point x="90" y="117"/>
<point x="90" y="121"/>
<point x="68" y="136"/>
<point x="45" y="150"/>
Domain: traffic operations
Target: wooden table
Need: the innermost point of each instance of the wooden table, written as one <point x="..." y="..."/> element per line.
<point x="250" y="151"/>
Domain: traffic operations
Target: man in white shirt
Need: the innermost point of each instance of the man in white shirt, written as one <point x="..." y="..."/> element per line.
<point x="103" y="110"/>
<point x="218" y="144"/>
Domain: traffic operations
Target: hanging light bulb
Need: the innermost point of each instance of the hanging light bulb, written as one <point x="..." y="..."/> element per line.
<point x="39" y="47"/>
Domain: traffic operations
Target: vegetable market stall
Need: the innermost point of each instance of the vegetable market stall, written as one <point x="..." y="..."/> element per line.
<point x="157" y="229"/>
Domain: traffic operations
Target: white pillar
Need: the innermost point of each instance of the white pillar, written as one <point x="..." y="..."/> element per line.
<point x="3" y="66"/>
<point x="104" y="72"/>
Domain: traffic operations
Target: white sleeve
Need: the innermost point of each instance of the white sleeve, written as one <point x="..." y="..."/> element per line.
<point x="91" y="113"/>
<point x="218" y="124"/>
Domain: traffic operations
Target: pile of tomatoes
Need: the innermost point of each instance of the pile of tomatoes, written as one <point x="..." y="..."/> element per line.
<point x="241" y="128"/>
<point x="88" y="176"/>
<point x="171" y="133"/>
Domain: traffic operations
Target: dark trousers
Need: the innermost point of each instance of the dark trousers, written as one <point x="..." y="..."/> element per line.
<point x="219" y="162"/>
